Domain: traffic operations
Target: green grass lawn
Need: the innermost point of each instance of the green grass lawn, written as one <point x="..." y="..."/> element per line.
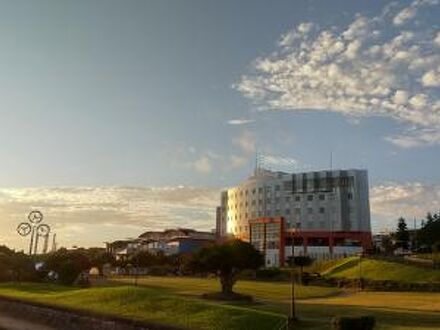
<point x="273" y="291"/>
<point x="382" y="270"/>
<point x="147" y="304"/>
<point x="176" y="301"/>
<point x="317" y="305"/>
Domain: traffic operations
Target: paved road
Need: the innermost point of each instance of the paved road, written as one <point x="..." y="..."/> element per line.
<point x="12" y="323"/>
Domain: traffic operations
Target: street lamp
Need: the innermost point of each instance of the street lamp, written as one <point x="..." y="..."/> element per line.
<point x="292" y="316"/>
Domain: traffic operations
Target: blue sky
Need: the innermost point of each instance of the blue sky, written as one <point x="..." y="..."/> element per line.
<point x="183" y="93"/>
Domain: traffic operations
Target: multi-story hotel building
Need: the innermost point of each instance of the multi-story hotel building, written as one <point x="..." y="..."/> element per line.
<point x="323" y="213"/>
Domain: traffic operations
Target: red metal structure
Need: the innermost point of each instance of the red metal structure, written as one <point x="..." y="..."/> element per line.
<point x="262" y="240"/>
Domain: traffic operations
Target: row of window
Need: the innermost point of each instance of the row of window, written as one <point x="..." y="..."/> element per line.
<point x="311" y="183"/>
<point x="310" y="198"/>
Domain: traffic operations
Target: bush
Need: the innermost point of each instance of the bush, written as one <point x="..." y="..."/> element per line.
<point x="67" y="264"/>
<point x="247" y="274"/>
<point x="268" y="273"/>
<point x="353" y="323"/>
<point x="162" y="270"/>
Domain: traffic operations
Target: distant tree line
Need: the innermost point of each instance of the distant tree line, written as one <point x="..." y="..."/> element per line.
<point x="425" y="239"/>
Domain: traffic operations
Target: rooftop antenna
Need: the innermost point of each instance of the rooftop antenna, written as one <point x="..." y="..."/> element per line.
<point x="256" y="162"/>
<point x="331" y="160"/>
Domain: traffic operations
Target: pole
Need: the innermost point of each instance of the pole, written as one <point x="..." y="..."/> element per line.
<point x="37" y="236"/>
<point x="292" y="317"/>
<point x="31" y="245"/>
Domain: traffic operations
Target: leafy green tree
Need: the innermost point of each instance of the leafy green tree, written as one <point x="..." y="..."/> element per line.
<point x="143" y="259"/>
<point x="402" y="234"/>
<point x="227" y="260"/>
<point x="301" y="262"/>
<point x="67" y="264"/>
<point x="16" y="266"/>
<point x="429" y="234"/>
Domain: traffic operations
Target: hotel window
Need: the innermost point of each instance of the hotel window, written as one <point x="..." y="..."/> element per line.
<point x="309" y="197"/>
<point x="260" y="190"/>
<point x="277" y="187"/>
<point x="297" y="198"/>
<point x="321" y="210"/>
<point x="309" y="210"/>
<point x="297" y="211"/>
<point x="287" y="211"/>
<point x="322" y="197"/>
<point x="350" y="195"/>
<point x="287" y="199"/>
<point x="253" y="191"/>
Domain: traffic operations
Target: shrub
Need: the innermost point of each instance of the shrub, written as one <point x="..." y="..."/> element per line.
<point x="353" y="323"/>
<point x="268" y="273"/>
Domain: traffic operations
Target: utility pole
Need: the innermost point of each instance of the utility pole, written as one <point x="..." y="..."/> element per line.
<point x="292" y="316"/>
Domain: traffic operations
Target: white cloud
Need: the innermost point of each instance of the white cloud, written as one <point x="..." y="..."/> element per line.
<point x="237" y="161"/>
<point x="240" y="121"/>
<point x="246" y="142"/>
<point x="369" y="68"/>
<point x="437" y="39"/>
<point x="431" y="78"/>
<point x="91" y="215"/>
<point x="404" y="15"/>
<point x="203" y="164"/>
<point x="273" y="160"/>
<point x="411" y="200"/>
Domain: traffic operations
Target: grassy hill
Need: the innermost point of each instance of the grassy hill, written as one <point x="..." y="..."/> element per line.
<point x="375" y="269"/>
<point x="146" y="304"/>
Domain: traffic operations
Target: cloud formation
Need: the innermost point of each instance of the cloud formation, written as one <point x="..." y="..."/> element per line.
<point x="246" y="142"/>
<point x="391" y="200"/>
<point x="387" y="65"/>
<point x="240" y="121"/>
<point x="91" y="215"/>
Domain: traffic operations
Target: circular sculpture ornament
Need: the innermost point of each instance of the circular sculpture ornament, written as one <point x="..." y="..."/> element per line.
<point x="35" y="217"/>
<point x="24" y="229"/>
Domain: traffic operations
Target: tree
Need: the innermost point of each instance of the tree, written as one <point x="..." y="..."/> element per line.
<point x="301" y="262"/>
<point x="429" y="234"/>
<point x="227" y="260"/>
<point x="402" y="234"/>
<point x="143" y="259"/>
<point x="16" y="266"/>
<point x="387" y="244"/>
<point x="67" y="264"/>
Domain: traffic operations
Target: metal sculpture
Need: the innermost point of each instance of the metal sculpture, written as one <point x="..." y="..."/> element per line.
<point x="35" y="228"/>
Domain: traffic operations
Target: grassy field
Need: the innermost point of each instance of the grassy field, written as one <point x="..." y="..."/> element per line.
<point x="382" y="270"/>
<point x="147" y="304"/>
<point x="176" y="301"/>
<point x="273" y="291"/>
<point x="316" y="306"/>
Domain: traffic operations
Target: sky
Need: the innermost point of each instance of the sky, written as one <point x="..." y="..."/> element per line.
<point x="118" y="117"/>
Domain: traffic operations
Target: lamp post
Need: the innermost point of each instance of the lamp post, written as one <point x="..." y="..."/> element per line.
<point x="292" y="316"/>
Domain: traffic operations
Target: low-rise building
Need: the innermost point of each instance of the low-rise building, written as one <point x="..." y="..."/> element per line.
<point x="170" y="241"/>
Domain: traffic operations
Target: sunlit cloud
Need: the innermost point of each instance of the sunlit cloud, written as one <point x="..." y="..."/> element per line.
<point x="91" y="215"/>
<point x="411" y="200"/>
<point x="386" y="65"/>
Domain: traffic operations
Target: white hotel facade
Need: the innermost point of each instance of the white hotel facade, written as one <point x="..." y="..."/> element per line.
<point x="323" y="213"/>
